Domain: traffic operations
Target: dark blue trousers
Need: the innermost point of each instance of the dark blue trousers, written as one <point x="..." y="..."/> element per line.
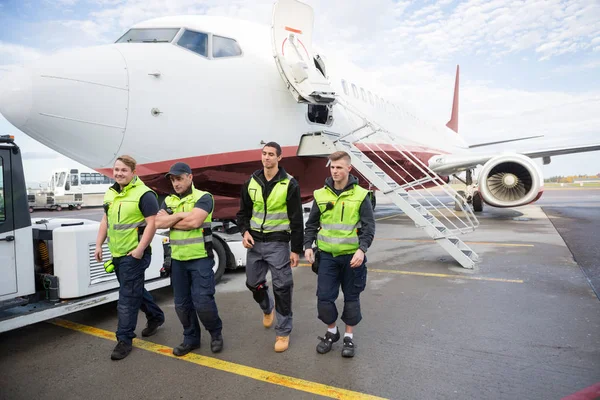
<point x="194" y="290"/>
<point x="133" y="296"/>
<point x="333" y="272"/>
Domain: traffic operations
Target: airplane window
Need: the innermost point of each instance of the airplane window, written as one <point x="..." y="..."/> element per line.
<point x="371" y="98"/>
<point x="225" y="47"/>
<point x="194" y="41"/>
<point x="355" y="90"/>
<point x="150" y="35"/>
<point x="345" y="87"/>
<point x="363" y="95"/>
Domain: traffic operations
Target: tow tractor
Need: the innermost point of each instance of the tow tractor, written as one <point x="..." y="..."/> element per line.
<point x="48" y="267"/>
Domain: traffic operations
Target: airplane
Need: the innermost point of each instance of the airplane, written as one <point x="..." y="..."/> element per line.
<point x="211" y="91"/>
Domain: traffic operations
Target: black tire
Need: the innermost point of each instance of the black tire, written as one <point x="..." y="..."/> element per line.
<point x="78" y="206"/>
<point x="71" y="207"/>
<point x="58" y="208"/>
<point x="220" y="257"/>
<point x="30" y="209"/>
<point x="477" y="202"/>
<point x="457" y="200"/>
<point x="373" y="199"/>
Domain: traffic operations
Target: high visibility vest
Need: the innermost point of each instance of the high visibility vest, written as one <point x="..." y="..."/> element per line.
<point x="271" y="216"/>
<point x="192" y="244"/>
<point x="124" y="216"/>
<point x="339" y="225"/>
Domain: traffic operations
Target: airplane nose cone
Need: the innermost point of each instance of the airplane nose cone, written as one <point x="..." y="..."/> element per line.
<point x="75" y="102"/>
<point x="16" y="96"/>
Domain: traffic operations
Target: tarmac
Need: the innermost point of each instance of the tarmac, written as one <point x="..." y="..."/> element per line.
<point x="524" y="324"/>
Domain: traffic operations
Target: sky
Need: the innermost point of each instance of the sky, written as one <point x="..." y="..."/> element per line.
<point x="527" y="67"/>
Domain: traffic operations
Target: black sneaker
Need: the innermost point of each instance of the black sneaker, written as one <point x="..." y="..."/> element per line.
<point x="121" y="351"/>
<point x="348" y="349"/>
<point x="325" y="343"/>
<point x="183" y="349"/>
<point x="151" y="328"/>
<point x="216" y="344"/>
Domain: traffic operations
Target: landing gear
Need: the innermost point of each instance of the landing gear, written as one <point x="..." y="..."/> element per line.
<point x="477" y="202"/>
<point x="471" y="195"/>
<point x="460" y="200"/>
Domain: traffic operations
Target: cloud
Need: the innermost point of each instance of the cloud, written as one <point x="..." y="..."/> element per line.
<point x="13" y="53"/>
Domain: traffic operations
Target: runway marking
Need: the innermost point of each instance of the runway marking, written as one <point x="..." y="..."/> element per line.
<point x="389" y="217"/>
<point x="484" y="243"/>
<point x="473" y="278"/>
<point x="226" y="366"/>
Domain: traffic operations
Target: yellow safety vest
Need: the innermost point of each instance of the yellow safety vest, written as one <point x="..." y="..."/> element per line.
<point x="271" y="216"/>
<point x="192" y="244"/>
<point x="124" y="216"/>
<point x="339" y="225"/>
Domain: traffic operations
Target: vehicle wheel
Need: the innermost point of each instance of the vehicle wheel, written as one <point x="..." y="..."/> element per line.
<point x="58" y="208"/>
<point x="220" y="259"/>
<point x="71" y="207"/>
<point x="458" y="200"/>
<point x="373" y="199"/>
<point x="477" y="202"/>
<point x="78" y="206"/>
<point x="30" y="209"/>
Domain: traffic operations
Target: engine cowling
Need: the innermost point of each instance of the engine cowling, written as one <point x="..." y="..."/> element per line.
<point x="510" y="180"/>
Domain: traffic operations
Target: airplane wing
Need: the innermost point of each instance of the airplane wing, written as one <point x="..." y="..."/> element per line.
<point x="450" y="164"/>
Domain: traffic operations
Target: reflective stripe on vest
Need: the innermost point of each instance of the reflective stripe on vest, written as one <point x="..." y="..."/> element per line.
<point x="192" y="244"/>
<point x="338" y="232"/>
<point x="124" y="217"/>
<point x="271" y="216"/>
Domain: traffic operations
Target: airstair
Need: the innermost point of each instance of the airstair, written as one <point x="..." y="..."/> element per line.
<point x="407" y="181"/>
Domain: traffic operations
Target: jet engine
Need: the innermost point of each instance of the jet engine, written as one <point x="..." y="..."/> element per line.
<point x="510" y="180"/>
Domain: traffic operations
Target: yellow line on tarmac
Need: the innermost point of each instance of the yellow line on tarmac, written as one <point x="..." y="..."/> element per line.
<point x="226" y="366"/>
<point x="388" y="217"/>
<point x="473" y="278"/>
<point x="484" y="243"/>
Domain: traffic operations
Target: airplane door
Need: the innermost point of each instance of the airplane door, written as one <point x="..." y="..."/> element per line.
<point x="292" y="49"/>
<point x="8" y="266"/>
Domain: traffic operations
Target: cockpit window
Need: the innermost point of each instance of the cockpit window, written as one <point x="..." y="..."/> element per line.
<point x="225" y="47"/>
<point x="194" y="41"/>
<point x="150" y="35"/>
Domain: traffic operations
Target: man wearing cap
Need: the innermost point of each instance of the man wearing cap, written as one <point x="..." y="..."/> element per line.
<point x="188" y="214"/>
<point x="270" y="217"/>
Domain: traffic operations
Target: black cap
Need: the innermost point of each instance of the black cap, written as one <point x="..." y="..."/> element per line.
<point x="179" y="168"/>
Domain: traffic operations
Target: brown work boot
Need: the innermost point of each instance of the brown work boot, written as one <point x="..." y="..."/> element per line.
<point x="282" y="343"/>
<point x="268" y="318"/>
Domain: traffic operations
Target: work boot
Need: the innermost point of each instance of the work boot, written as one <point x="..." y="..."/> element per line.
<point x="348" y="349"/>
<point x="268" y="318"/>
<point x="326" y="342"/>
<point x="151" y="328"/>
<point x="121" y="351"/>
<point x="282" y="343"/>
<point x="183" y="349"/>
<point x="216" y="344"/>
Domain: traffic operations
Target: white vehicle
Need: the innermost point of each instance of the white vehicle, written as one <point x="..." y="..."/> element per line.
<point x="211" y="91"/>
<point x="47" y="265"/>
<point x="87" y="186"/>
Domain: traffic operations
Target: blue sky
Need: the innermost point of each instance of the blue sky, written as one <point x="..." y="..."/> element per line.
<point x="527" y="67"/>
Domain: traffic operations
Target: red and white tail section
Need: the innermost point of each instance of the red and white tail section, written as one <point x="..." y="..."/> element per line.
<point x="453" y="123"/>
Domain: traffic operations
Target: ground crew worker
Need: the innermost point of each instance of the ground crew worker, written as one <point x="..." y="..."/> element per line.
<point x="341" y="220"/>
<point x="188" y="213"/>
<point x="130" y="211"/>
<point x="270" y="216"/>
